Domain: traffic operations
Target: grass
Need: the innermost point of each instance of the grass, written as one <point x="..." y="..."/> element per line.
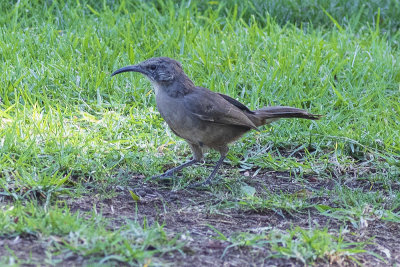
<point x="307" y="246"/>
<point x="69" y="130"/>
<point x="86" y="234"/>
<point x="310" y="245"/>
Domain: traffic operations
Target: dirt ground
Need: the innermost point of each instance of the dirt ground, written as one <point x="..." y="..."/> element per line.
<point x="188" y="212"/>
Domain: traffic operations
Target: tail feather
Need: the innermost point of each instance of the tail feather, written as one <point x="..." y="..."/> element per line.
<point x="269" y="114"/>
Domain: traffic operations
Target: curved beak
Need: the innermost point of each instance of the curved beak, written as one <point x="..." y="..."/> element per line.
<point x="135" y="68"/>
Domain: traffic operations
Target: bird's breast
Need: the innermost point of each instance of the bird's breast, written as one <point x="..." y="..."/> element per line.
<point x="174" y="113"/>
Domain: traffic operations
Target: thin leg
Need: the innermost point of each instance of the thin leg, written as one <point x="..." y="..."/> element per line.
<point x="171" y="172"/>
<point x="214" y="172"/>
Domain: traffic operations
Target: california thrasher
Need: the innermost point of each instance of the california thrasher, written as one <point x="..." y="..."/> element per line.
<point x="203" y="118"/>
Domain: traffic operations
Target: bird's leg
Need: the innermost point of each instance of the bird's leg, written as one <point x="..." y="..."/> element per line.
<point x="213" y="173"/>
<point x="197" y="156"/>
<point x="171" y="172"/>
<point x="223" y="152"/>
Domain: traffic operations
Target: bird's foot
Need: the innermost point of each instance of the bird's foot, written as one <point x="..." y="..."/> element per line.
<point x="205" y="183"/>
<point x="164" y="176"/>
<point x="170" y="172"/>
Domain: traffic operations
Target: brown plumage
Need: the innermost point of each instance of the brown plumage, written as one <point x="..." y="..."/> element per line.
<point x="203" y="118"/>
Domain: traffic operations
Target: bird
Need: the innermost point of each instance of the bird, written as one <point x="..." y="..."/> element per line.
<point x="203" y="118"/>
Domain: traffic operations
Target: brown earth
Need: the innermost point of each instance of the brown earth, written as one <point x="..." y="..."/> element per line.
<point x="190" y="212"/>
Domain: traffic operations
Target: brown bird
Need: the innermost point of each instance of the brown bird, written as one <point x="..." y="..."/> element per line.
<point x="203" y="118"/>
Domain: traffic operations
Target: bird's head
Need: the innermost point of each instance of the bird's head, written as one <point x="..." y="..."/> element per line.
<point x="157" y="70"/>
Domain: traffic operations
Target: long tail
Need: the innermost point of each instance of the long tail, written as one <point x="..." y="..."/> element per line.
<point x="270" y="114"/>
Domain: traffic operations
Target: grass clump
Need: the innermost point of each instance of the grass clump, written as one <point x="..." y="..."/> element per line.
<point x="308" y="246"/>
<point x="87" y="234"/>
<point x="275" y="201"/>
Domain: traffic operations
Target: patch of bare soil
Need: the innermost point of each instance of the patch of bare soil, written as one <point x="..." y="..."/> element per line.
<point x="188" y="212"/>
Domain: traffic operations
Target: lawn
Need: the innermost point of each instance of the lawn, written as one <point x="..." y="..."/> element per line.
<point x="78" y="147"/>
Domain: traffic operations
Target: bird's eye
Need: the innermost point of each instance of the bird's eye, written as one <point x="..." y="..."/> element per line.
<point x="153" y="67"/>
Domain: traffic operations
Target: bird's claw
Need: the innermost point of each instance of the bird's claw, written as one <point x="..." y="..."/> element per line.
<point x="199" y="184"/>
<point x="163" y="176"/>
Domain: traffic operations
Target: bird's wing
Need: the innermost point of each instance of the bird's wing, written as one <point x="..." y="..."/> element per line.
<point x="209" y="106"/>
<point x="236" y="103"/>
